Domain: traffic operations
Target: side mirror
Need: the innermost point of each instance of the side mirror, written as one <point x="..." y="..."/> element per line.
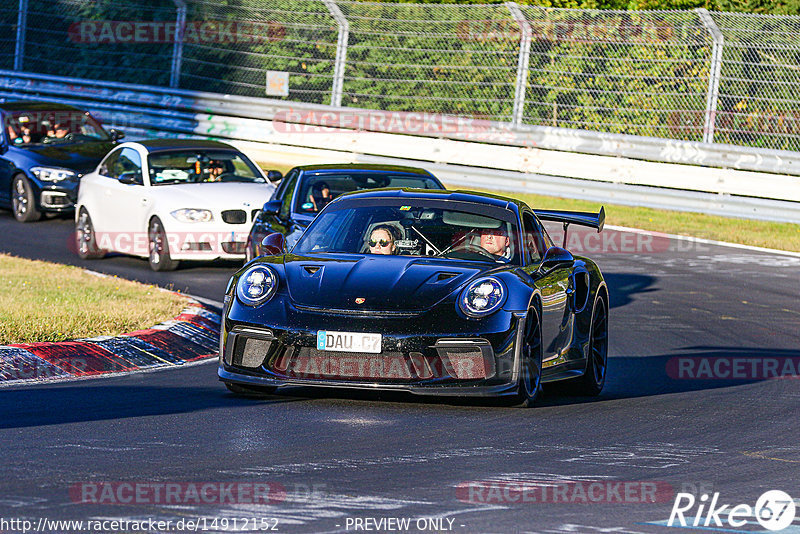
<point x="130" y="178"/>
<point x="116" y="135"/>
<point x="273" y="207"/>
<point x="556" y="257"/>
<point x="273" y="244"/>
<point x="274" y="176"/>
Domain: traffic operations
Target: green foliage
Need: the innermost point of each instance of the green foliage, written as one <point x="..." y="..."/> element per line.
<point x="609" y="66"/>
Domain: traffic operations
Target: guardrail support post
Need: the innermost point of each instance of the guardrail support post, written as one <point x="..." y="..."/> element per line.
<point x="341" y="52"/>
<point x="177" y="45"/>
<point x="522" y="63"/>
<point x="713" y="73"/>
<point x="22" y="23"/>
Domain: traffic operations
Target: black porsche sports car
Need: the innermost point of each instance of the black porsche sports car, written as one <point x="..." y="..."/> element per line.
<point x="429" y="292"/>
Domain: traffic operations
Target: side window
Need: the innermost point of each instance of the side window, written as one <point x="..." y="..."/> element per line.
<point x="288" y="193"/>
<point x="535" y="239"/>
<point x="278" y="194"/>
<point x="108" y="164"/>
<point x="127" y="165"/>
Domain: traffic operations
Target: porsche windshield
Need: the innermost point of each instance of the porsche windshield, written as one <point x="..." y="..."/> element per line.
<point x="193" y="166"/>
<point x="414" y="227"/>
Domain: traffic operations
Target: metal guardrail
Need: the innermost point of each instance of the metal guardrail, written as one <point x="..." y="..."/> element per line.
<point x="164" y="102"/>
<point x="497" y="155"/>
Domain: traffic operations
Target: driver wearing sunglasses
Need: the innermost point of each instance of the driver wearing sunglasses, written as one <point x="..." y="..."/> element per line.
<point x="381" y="240"/>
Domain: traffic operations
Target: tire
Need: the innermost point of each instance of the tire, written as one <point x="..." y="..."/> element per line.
<point x="23" y="201"/>
<point x="591" y="383"/>
<point x="530" y="380"/>
<point x="250" y="391"/>
<point x="158" y="247"/>
<point x="85" y="238"/>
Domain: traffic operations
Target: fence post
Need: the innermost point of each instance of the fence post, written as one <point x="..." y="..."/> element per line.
<point x="341" y="52"/>
<point x="522" y="63"/>
<point x="177" y="45"/>
<point x="713" y="73"/>
<point x="22" y="23"/>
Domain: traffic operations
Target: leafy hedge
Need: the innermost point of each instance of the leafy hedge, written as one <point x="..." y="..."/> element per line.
<point x="623" y="71"/>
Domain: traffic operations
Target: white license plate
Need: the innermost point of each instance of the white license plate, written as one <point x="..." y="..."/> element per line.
<point x="348" y="341"/>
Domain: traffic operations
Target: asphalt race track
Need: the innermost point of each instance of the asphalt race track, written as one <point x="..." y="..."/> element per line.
<point x="330" y="458"/>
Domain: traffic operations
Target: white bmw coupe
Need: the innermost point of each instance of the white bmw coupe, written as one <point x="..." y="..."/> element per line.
<point x="170" y="200"/>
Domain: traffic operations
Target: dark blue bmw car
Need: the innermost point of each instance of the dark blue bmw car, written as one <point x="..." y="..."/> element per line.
<point x="45" y="148"/>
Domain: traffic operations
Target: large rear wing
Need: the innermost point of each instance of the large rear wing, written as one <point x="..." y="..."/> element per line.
<point x="582" y="218"/>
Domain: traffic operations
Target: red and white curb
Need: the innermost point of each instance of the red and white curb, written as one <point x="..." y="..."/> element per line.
<point x="190" y="337"/>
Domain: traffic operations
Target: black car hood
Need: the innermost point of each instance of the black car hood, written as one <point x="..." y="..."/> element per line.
<point x="80" y="157"/>
<point x="384" y="282"/>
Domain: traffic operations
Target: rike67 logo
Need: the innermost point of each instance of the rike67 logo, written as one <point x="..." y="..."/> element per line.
<point x="774" y="510"/>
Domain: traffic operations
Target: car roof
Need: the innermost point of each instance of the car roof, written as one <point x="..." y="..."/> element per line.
<point x="35" y="105"/>
<point x="437" y="194"/>
<point x="163" y="145"/>
<point x="362" y="167"/>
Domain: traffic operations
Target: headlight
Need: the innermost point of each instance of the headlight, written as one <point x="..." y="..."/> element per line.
<point x="52" y="174"/>
<point x="189" y="215"/>
<point x="482" y="297"/>
<point x="256" y="285"/>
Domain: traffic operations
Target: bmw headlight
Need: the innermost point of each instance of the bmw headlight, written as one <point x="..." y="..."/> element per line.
<point x="256" y="285"/>
<point x="190" y="215"/>
<point x="52" y="174"/>
<point x="482" y="297"/>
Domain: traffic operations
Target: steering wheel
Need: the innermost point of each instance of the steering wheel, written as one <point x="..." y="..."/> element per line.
<point x="468" y="251"/>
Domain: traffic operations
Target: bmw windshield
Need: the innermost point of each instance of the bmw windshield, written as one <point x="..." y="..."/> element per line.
<point x="414" y="227"/>
<point x="197" y="165"/>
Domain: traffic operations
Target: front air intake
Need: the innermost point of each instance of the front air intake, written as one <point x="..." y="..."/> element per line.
<point x="249" y="352"/>
<point x="234" y="216"/>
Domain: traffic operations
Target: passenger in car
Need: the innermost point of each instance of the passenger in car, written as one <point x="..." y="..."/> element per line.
<point x="215" y="170"/>
<point x="58" y="131"/>
<point x="320" y="195"/>
<point x="382" y="240"/>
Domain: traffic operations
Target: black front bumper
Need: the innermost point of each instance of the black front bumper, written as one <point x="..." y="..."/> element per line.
<point x="479" y="364"/>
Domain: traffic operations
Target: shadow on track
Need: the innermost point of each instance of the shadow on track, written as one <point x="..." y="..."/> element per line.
<point x="629" y="377"/>
<point x="644" y="376"/>
<point x="81" y="402"/>
<point x="622" y="287"/>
